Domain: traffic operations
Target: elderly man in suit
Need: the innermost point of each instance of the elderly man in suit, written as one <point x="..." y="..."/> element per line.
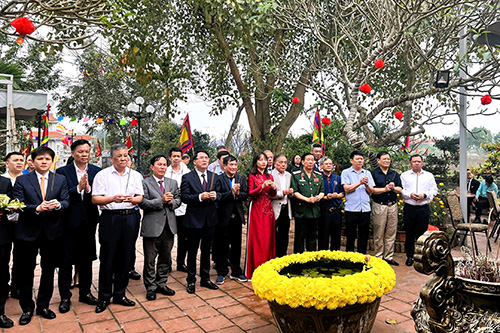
<point x="281" y="204"/>
<point x="80" y="223"/>
<point x="6" y="230"/>
<point x="198" y="192"/>
<point x="161" y="197"/>
<point x="233" y="191"/>
<point x="39" y="228"/>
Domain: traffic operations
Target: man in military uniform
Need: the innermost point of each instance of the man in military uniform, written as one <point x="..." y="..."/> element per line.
<point x="308" y="190"/>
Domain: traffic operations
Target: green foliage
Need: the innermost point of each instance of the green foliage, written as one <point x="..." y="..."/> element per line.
<point x="491" y="165"/>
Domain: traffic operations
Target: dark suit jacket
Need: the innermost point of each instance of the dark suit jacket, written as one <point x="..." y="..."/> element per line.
<point x="79" y="211"/>
<point x="227" y="199"/>
<point x="198" y="213"/>
<point x="30" y="224"/>
<point x="474" y="185"/>
<point x="6" y="227"/>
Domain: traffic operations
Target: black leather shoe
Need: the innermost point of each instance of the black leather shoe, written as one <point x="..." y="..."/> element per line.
<point x="182" y="268"/>
<point x="134" y="275"/>
<point x="209" y="284"/>
<point x="150" y="295"/>
<point x="191" y="288"/>
<point x="46" y="313"/>
<point x="409" y="261"/>
<point x="64" y="305"/>
<point x="124" y="301"/>
<point x="166" y="291"/>
<point x="392" y="262"/>
<point x="88" y="299"/>
<point x="5" y="322"/>
<point x="25" y="318"/>
<point x="101" y="306"/>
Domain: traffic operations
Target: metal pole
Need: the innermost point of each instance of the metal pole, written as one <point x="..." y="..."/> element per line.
<point x="463" y="127"/>
<point x="139" y="140"/>
<point x="8" y="112"/>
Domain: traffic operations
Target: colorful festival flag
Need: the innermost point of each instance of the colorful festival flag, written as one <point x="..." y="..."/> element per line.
<point x="406" y="146"/>
<point x="98" y="151"/>
<point x="29" y="145"/>
<point x="60" y="128"/>
<point x="318" y="133"/>
<point x="186" y="139"/>
<point x="45" y="135"/>
<point x="128" y="143"/>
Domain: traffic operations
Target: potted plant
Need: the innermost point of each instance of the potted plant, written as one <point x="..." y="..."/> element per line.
<point x="324" y="291"/>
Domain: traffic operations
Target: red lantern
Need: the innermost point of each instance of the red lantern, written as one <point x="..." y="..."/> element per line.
<point x="23" y="26"/>
<point x="19" y="41"/>
<point x="379" y="64"/>
<point x="365" y="88"/>
<point x="326" y="121"/>
<point x="398" y="115"/>
<point x="486" y="99"/>
<point x="295" y="100"/>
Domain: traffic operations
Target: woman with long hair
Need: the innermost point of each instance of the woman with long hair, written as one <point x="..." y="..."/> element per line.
<point x="261" y="232"/>
<point x="296" y="163"/>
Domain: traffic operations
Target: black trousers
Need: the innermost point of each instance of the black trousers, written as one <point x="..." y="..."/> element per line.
<point x="329" y="230"/>
<point x="199" y="238"/>
<point x="137" y="229"/>
<point x="282" y="232"/>
<point x="227" y="247"/>
<point x="25" y="253"/>
<point x="481" y="204"/>
<point x="157" y="250"/>
<point x="182" y="242"/>
<point x="357" y="223"/>
<point x="306" y="230"/>
<point x="117" y="236"/>
<point x="416" y="220"/>
<point x="4" y="275"/>
<point x="77" y="248"/>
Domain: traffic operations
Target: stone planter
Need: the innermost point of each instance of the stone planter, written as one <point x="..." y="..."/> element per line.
<point x="448" y="303"/>
<point x="351" y="318"/>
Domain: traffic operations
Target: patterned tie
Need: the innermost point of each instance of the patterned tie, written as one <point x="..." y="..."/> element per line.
<point x="204" y="182"/>
<point x="161" y="186"/>
<point x="42" y="187"/>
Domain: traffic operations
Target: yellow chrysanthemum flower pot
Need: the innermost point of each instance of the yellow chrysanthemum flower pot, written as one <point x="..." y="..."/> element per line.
<point x="324" y="291"/>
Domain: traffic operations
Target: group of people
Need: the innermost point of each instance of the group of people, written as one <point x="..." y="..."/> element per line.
<point x="203" y="207"/>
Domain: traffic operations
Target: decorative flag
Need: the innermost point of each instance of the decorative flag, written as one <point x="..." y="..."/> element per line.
<point x="66" y="140"/>
<point x="318" y="133"/>
<point x="98" y="151"/>
<point x="45" y="135"/>
<point x="29" y="145"/>
<point x="110" y="121"/>
<point x="86" y="119"/>
<point x="73" y="118"/>
<point x="60" y="128"/>
<point x="406" y="146"/>
<point x="134" y="122"/>
<point x="123" y="122"/>
<point x="60" y="118"/>
<point x="186" y="139"/>
<point x="128" y="143"/>
<point x="99" y="120"/>
<point x="427" y="151"/>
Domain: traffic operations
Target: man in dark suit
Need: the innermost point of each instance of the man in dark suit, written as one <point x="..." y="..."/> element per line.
<point x="39" y="228"/>
<point x="159" y="225"/>
<point x="198" y="192"/>
<point x="233" y="192"/>
<point x="472" y="186"/>
<point x="80" y="222"/>
<point x="6" y="230"/>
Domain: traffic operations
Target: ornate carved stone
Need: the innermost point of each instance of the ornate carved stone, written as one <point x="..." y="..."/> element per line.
<point x="448" y="303"/>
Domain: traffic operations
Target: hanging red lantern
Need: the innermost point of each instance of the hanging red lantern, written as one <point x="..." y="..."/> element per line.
<point x="398" y="115"/>
<point x="365" y="88"/>
<point x="295" y="100"/>
<point x="23" y="26"/>
<point x="19" y="41"/>
<point x="486" y="99"/>
<point x="326" y="121"/>
<point x="379" y="64"/>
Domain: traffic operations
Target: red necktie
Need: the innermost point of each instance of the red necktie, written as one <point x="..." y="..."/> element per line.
<point x="204" y="182"/>
<point x="161" y="186"/>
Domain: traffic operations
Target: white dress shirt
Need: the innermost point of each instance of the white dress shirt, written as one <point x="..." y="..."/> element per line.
<point x="421" y="183"/>
<point x="177" y="176"/>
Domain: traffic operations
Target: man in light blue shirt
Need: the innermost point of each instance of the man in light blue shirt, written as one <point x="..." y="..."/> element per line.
<point x="481" y="199"/>
<point x="358" y="185"/>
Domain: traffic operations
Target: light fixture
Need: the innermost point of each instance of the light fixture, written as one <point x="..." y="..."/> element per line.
<point x="442" y="79"/>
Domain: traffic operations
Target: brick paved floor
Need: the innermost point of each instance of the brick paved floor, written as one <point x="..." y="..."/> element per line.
<point x="232" y="308"/>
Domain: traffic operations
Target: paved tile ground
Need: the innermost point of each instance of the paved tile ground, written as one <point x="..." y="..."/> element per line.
<point x="232" y="308"/>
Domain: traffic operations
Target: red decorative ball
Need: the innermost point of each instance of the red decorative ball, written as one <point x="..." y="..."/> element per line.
<point x="326" y="121"/>
<point x="379" y="64"/>
<point x="398" y="115"/>
<point x="295" y="100"/>
<point x="23" y="26"/>
<point x="365" y="88"/>
<point x="20" y="41"/>
<point x="486" y="99"/>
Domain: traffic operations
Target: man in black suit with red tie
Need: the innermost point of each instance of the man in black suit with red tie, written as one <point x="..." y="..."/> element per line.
<point x="198" y="192"/>
<point x="80" y="222"/>
<point x="39" y="228"/>
<point x="6" y="230"/>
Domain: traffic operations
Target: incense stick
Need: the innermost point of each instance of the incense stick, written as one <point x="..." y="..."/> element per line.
<point x="212" y="181"/>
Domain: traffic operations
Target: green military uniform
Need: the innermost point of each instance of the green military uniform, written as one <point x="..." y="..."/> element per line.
<point x="308" y="187"/>
<point x="306" y="214"/>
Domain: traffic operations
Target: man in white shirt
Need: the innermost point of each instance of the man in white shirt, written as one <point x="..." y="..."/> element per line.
<point x="14" y="162"/>
<point x="175" y="171"/>
<point x="213" y="166"/>
<point x="281" y="204"/>
<point x="419" y="187"/>
<point x="117" y="190"/>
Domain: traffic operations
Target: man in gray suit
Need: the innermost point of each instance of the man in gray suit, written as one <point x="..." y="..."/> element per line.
<point x="161" y="197"/>
<point x="281" y="204"/>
